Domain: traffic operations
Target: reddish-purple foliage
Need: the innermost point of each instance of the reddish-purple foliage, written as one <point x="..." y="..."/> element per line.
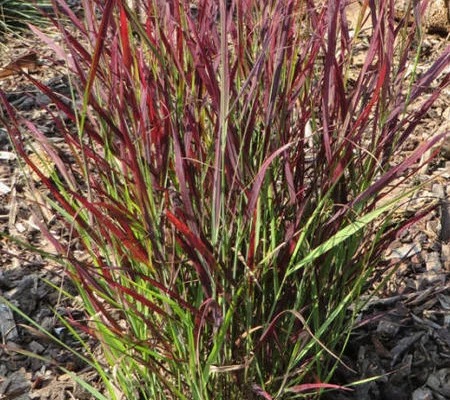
<point x="192" y="145"/>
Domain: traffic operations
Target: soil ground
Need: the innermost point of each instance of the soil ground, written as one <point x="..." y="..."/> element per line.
<point x="402" y="336"/>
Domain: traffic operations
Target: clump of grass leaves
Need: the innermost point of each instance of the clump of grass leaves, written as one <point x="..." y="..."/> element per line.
<point x="16" y="14"/>
<point x="230" y="178"/>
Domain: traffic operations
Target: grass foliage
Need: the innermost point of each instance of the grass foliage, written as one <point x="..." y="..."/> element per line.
<point x="229" y="181"/>
<point x="15" y="14"/>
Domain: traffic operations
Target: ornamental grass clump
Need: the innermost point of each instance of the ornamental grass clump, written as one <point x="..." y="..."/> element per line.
<point x="228" y="185"/>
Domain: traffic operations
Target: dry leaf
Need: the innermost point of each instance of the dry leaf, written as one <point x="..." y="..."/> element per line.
<point x="26" y="62"/>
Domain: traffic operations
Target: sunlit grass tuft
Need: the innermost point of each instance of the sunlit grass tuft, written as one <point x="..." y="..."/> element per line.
<point x="230" y="184"/>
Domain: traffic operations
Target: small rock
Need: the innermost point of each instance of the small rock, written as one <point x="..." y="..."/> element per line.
<point x="4" y="189"/>
<point x="17" y="384"/>
<point x="440" y="382"/>
<point x="7" y="155"/>
<point x="417" y="261"/>
<point x="405" y="236"/>
<point x="5" y="282"/>
<point x="422" y="394"/>
<point x="436" y="246"/>
<point x="64" y="378"/>
<point x="432" y="277"/>
<point x="421" y="238"/>
<point x="36" y="347"/>
<point x="25" y="293"/>
<point x="438" y="190"/>
<point x="47" y="323"/>
<point x="395" y="244"/>
<point x="387" y="329"/>
<point x="433" y="262"/>
<point x="402" y="269"/>
<point x="445" y="256"/>
<point x="8" y="328"/>
<point x="20" y="227"/>
<point x="16" y="355"/>
<point x="405" y="251"/>
<point x="434" y="226"/>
